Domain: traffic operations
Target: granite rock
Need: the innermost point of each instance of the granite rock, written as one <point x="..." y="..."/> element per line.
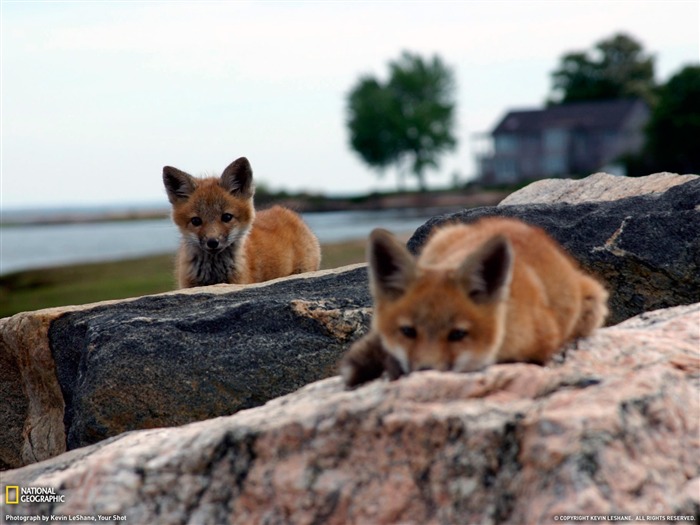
<point x="611" y="427"/>
<point x="596" y="187"/>
<point x="73" y="376"/>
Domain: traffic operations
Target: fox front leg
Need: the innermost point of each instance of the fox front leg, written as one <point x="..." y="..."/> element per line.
<point x="367" y="360"/>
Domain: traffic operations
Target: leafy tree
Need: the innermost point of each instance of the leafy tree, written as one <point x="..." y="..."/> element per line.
<point x="673" y="130"/>
<point x="616" y="68"/>
<point x="406" y="121"/>
<point x="372" y="123"/>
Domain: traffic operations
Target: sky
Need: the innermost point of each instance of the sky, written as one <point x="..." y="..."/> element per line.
<point x="97" y="96"/>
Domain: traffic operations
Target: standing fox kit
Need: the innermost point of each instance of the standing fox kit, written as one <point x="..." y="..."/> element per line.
<point x="225" y="241"/>
<point x="497" y="290"/>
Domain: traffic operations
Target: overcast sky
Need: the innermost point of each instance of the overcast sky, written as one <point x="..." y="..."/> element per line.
<point x="98" y="96"/>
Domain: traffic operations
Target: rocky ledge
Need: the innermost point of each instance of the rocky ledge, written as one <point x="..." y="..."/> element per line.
<point x="612" y="427"/>
<point x="639" y="236"/>
<point x="73" y="376"/>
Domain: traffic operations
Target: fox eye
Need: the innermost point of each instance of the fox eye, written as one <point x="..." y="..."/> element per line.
<point x="196" y="221"/>
<point x="456" y="335"/>
<point x="226" y="217"/>
<point x="409" y="331"/>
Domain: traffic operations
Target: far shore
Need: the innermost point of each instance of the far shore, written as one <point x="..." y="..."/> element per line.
<point x="439" y="200"/>
<point x="35" y="289"/>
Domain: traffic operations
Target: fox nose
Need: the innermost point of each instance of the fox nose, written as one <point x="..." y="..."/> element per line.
<point x="212" y="244"/>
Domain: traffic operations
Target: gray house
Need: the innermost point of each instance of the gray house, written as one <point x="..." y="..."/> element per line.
<point x="570" y="139"/>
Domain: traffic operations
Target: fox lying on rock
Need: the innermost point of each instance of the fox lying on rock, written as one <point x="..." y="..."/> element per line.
<point x="497" y="290"/>
<point x="225" y="241"/>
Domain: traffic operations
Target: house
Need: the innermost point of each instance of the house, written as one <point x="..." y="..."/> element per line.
<point x="566" y="140"/>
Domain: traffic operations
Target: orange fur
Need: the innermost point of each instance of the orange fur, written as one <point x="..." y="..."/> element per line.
<point x="497" y="290"/>
<point x="224" y="240"/>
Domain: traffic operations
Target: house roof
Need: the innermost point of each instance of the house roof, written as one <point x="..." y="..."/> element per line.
<point x="605" y="114"/>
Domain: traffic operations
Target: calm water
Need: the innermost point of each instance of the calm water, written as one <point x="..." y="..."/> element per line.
<point x="24" y="247"/>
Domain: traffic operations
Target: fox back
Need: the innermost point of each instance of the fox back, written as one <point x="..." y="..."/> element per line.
<point x="223" y="240"/>
<point x="497" y="290"/>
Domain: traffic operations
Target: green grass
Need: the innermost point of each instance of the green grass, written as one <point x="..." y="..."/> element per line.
<point x="84" y="283"/>
<point x="342" y="253"/>
<point x="88" y="283"/>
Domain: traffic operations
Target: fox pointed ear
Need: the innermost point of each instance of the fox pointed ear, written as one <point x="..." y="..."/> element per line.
<point x="178" y="184"/>
<point x="391" y="266"/>
<point x="486" y="273"/>
<point x="237" y="178"/>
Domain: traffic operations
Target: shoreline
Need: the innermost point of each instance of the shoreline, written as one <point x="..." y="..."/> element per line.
<point x="446" y="201"/>
<point x="168" y="253"/>
<point x="91" y="282"/>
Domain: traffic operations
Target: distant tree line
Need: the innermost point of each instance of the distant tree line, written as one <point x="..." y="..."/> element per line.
<point x="408" y="120"/>
<point x="615" y="68"/>
<point x="619" y="68"/>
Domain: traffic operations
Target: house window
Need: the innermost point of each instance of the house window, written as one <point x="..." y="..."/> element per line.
<point x="555" y="155"/>
<point x="556" y="139"/>
<point x="554" y="165"/>
<point x="506" y="144"/>
<point x="505" y="170"/>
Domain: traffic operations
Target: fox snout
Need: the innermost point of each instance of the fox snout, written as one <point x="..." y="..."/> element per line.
<point x="212" y="244"/>
<point x="442" y="360"/>
<point x="424" y="357"/>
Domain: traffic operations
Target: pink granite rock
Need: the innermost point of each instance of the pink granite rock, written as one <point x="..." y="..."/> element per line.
<point x="596" y="187"/>
<point x="611" y="427"/>
<point x="31" y="409"/>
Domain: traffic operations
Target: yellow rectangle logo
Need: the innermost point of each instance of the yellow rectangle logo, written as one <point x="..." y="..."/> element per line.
<point x="8" y="500"/>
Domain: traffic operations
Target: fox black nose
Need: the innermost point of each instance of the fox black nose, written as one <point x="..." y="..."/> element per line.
<point x="212" y="244"/>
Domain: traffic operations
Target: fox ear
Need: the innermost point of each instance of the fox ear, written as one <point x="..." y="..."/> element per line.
<point x="237" y="178"/>
<point x="178" y="184"/>
<point x="486" y="273"/>
<point x="391" y="266"/>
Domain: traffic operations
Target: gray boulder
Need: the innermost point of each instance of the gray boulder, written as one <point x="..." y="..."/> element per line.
<point x="77" y="376"/>
<point x="646" y="248"/>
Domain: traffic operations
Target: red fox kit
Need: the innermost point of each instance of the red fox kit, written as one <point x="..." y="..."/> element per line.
<point x="225" y="241"/>
<point x="497" y="290"/>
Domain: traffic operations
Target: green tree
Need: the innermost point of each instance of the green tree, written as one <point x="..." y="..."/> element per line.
<point x="673" y="130"/>
<point x="616" y="68"/>
<point x="407" y="121"/>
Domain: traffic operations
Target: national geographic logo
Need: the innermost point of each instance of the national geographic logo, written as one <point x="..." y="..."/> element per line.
<point x="14" y="495"/>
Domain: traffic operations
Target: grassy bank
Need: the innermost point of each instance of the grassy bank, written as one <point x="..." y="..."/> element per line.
<point x="89" y="283"/>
